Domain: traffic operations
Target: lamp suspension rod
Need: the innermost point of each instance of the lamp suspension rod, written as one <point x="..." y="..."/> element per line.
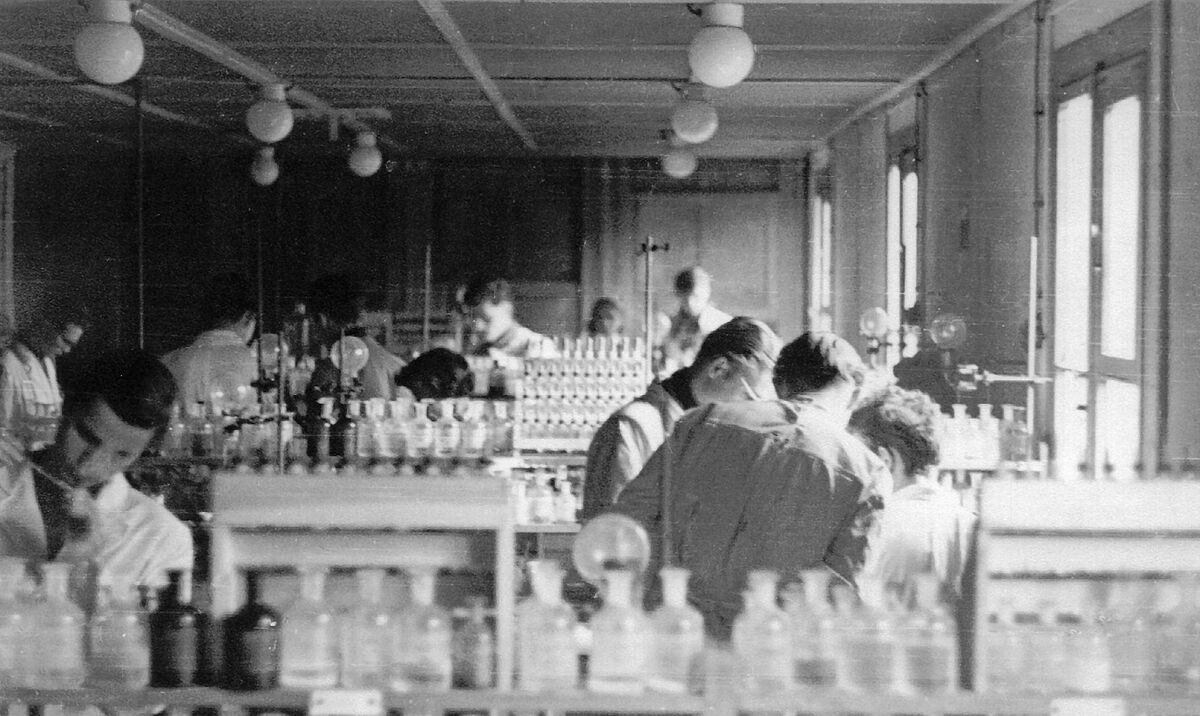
<point x="139" y="96"/>
<point x="427" y="316"/>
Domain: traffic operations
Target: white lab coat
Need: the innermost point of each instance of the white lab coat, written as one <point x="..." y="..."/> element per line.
<point x="30" y="399"/>
<point x="134" y="537"/>
<point x="218" y="361"/>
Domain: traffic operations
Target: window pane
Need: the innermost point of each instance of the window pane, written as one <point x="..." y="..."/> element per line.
<point x="894" y="288"/>
<point x="1072" y="232"/>
<point x="1070" y="422"/>
<point x="908" y="238"/>
<point x="1118" y="428"/>
<point x="1121" y="228"/>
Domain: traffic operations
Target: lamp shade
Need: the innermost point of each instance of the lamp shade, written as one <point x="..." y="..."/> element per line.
<point x="365" y="159"/>
<point x="694" y="120"/>
<point x="679" y="163"/>
<point x="270" y="118"/>
<point x="109" y="50"/>
<point x="263" y="170"/>
<point x="721" y="54"/>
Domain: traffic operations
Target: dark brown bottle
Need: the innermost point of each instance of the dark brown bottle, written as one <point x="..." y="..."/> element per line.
<point x="174" y="634"/>
<point x="252" y="644"/>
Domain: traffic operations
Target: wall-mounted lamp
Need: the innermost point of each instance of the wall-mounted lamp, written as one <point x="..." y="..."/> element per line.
<point x="721" y="53"/>
<point x="873" y="325"/>
<point x="365" y="159"/>
<point x="270" y="118"/>
<point x="694" y="119"/>
<point x="263" y="170"/>
<point x="109" y="50"/>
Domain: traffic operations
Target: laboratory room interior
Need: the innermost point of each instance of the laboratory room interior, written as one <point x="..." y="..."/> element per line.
<point x="441" y="356"/>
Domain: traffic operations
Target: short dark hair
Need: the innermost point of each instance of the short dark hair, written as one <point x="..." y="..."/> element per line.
<point x="438" y="373"/>
<point x="900" y="420"/>
<point x="604" y="309"/>
<point x="815" y="361"/>
<point x="489" y="289"/>
<point x="229" y="298"/>
<point x="132" y="383"/>
<point x="741" y="336"/>
<point x="338" y="297"/>
<point x="687" y="279"/>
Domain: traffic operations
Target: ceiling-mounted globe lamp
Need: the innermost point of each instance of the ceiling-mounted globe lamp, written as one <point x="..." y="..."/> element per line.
<point x="109" y="50"/>
<point x="270" y="118"/>
<point x="721" y="53"/>
<point x="694" y="119"/>
<point x="365" y="159"/>
<point x="263" y="170"/>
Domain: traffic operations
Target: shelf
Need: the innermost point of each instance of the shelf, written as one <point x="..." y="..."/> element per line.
<point x="554" y="529"/>
<point x="825" y="701"/>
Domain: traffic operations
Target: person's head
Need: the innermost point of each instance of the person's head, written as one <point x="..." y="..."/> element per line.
<point x="735" y="362"/>
<point x="607" y="318"/>
<point x="120" y="402"/>
<point x="693" y="288"/>
<point x="438" y="373"/>
<point x="489" y="306"/>
<point x="337" y="300"/>
<point x="820" y="365"/>
<point x="57" y="329"/>
<point x="231" y="305"/>
<point x="901" y="427"/>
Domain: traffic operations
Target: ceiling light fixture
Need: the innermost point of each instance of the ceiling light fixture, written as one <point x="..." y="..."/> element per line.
<point x="679" y="162"/>
<point x="109" y="50"/>
<point x="365" y="159"/>
<point x="694" y="119"/>
<point x="270" y="118"/>
<point x="263" y="170"/>
<point x="721" y="54"/>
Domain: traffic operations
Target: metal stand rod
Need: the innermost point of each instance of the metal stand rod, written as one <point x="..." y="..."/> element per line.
<point x="427" y="317"/>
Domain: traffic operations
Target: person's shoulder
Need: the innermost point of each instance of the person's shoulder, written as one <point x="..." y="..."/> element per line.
<point x="156" y="517"/>
<point x="749" y="413"/>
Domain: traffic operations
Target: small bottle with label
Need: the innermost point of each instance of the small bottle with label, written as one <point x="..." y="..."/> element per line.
<point x="474" y="650"/>
<point x="447" y="433"/>
<point x="56" y="634"/>
<point x="119" y="653"/>
<point x="474" y="444"/>
<point x="366" y="635"/>
<point x="620" y="640"/>
<point x="420" y="435"/>
<point x="678" y="635"/>
<point x="252" y="643"/>
<point x="308" y="637"/>
<point x="422" y="646"/>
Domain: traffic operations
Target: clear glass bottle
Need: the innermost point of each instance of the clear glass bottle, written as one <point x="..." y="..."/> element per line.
<point x="308" y="637"/>
<point x="252" y="643"/>
<point x="678" y="635"/>
<point x="366" y="635"/>
<point x="867" y="643"/>
<point x="547" y="656"/>
<point x="419" y="446"/>
<point x="447" y="433"/>
<point x="174" y="634"/>
<point x="762" y="637"/>
<point x="14" y="621"/>
<point x="813" y="631"/>
<point x="344" y="435"/>
<point x="475" y="432"/>
<point x="1004" y="651"/>
<point x="56" y="634"/>
<point x="474" y="649"/>
<point x="368" y="429"/>
<point x="566" y="506"/>
<point x="175" y="442"/>
<point x="1045" y="654"/>
<point x="541" y="499"/>
<point x="421" y="648"/>
<point x="1087" y="662"/>
<point x="620" y="640"/>
<point x="389" y="435"/>
<point x="1179" y="659"/>
<point x="119" y="653"/>
<point x="929" y="643"/>
<point x="203" y="432"/>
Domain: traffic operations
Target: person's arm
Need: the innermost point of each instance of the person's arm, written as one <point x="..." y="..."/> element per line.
<point x="8" y="398"/>
<point x="174" y="551"/>
<point x="846" y="554"/>
<point x="640" y="499"/>
<point x="619" y="450"/>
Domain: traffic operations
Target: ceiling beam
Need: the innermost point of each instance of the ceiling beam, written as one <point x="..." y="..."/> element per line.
<point x="180" y="32"/>
<point x="55" y="124"/>
<point x="445" y="24"/>
<point x="104" y="92"/>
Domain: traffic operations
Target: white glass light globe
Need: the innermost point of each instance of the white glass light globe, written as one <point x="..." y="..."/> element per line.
<point x="694" y="121"/>
<point x="270" y="118"/>
<point x="365" y="159"/>
<point x="721" y="56"/>
<point x="109" y="52"/>
<point x="679" y="163"/>
<point x="264" y="171"/>
<point x="873" y="323"/>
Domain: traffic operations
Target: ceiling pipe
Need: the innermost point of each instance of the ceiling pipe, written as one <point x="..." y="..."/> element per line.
<point x="55" y="124"/>
<point x="174" y="29"/>
<point x="109" y="93"/>
<point x="445" y="24"/>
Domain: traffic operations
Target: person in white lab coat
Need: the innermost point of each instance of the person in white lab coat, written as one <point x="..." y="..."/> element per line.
<point x="924" y="527"/>
<point x="339" y="302"/>
<point x="71" y="502"/>
<point x="219" y="368"/>
<point x="30" y="396"/>
<point x="488" y="303"/>
<point x="694" y="320"/>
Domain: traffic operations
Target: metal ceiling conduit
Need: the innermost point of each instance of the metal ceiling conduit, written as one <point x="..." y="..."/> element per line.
<point x="109" y="93"/>
<point x="176" y="30"/>
<point x="55" y="124"/>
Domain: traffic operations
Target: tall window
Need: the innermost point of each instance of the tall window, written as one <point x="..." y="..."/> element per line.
<point x="1098" y="246"/>
<point x="903" y="235"/>
<point x="820" y="301"/>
